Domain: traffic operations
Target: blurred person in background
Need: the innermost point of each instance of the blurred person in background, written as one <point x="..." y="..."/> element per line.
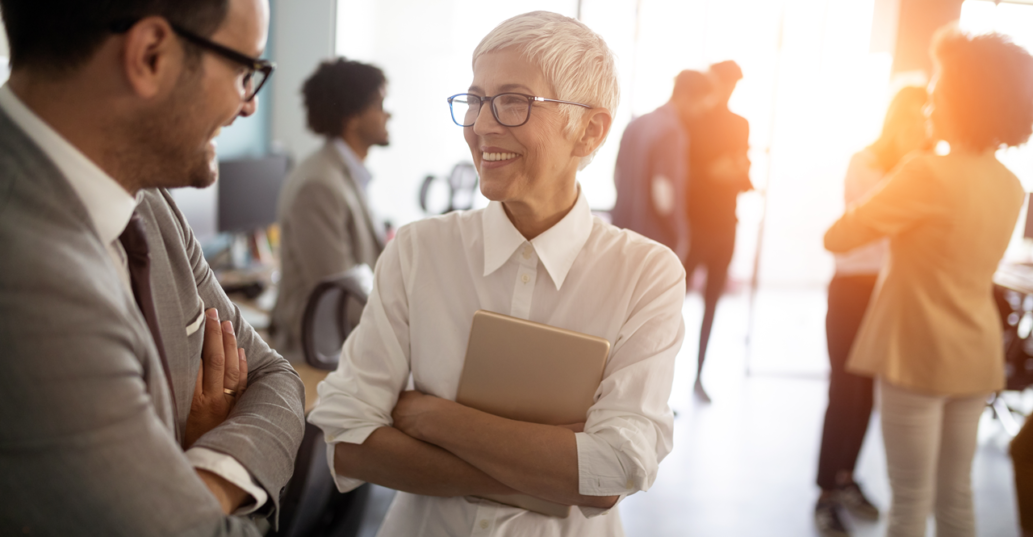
<point x="932" y="335"/>
<point x="326" y="222"/>
<point x="850" y="396"/>
<point x="719" y="170"/>
<point x="652" y="173"/>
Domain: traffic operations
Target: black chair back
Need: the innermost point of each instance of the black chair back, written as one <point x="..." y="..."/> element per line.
<point x="331" y="313"/>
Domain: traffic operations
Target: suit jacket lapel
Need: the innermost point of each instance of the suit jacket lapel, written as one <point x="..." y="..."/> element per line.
<point x="60" y="192"/>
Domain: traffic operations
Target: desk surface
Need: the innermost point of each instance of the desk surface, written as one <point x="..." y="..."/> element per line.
<point x="1015" y="276"/>
<point x="310" y="377"/>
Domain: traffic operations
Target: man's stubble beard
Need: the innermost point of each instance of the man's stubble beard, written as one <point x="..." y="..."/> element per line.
<point x="168" y="153"/>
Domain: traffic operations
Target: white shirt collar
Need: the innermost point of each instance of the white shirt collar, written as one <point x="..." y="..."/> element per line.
<point x="557" y="247"/>
<point x="358" y="170"/>
<point x="107" y="203"/>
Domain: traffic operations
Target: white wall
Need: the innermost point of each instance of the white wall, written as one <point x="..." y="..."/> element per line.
<point x="303" y="35"/>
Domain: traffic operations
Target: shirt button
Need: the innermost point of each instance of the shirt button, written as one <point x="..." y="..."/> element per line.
<point x="484" y="524"/>
<point x="527" y="252"/>
<point x="525" y="278"/>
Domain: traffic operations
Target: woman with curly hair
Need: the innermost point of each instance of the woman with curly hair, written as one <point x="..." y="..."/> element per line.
<point x="932" y="336"/>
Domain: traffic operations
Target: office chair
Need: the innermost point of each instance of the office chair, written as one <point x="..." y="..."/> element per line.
<point x="1016" y="311"/>
<point x="331" y="313"/>
<point x="311" y="505"/>
<point x="462" y="188"/>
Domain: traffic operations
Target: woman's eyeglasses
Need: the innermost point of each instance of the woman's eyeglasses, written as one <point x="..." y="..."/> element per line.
<point x="509" y="109"/>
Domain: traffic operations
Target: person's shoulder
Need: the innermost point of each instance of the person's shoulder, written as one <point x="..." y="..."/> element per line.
<point x="864" y="160"/>
<point x="920" y="162"/>
<point x="319" y="167"/>
<point x="440" y="228"/>
<point x="635" y="251"/>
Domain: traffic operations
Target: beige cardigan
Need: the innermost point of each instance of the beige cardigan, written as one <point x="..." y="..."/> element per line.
<point x="932" y="326"/>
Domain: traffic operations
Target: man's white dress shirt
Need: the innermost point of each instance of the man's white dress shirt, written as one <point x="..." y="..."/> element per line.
<point x="583" y="275"/>
<point x="110" y="207"/>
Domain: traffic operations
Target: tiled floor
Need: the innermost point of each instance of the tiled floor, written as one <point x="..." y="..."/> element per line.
<point x="744" y="465"/>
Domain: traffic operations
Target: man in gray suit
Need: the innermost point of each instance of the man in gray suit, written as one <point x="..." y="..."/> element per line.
<point x="126" y="407"/>
<point x="327" y="225"/>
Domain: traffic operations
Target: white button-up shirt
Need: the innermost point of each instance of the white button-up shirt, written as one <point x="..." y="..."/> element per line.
<point x="583" y="275"/>
<point x="110" y="207"/>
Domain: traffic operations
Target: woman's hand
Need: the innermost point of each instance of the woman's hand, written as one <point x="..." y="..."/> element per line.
<point x="415" y="411"/>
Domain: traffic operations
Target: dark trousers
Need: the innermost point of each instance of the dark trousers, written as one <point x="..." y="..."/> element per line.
<point x="1022" y="462"/>
<point x="850" y="396"/>
<point x="711" y="247"/>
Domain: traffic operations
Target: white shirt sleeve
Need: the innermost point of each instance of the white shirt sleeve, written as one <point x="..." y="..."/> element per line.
<point x="630" y="428"/>
<point x="358" y="397"/>
<point x="231" y="470"/>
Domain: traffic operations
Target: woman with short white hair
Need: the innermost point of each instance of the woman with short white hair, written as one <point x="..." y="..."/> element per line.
<point x="541" y="103"/>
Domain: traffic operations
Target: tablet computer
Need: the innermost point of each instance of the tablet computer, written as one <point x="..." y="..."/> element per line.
<point x="528" y="371"/>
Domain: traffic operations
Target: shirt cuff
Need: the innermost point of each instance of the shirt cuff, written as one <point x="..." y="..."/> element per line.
<point x="354" y="436"/>
<point x="600" y="473"/>
<point x="231" y="470"/>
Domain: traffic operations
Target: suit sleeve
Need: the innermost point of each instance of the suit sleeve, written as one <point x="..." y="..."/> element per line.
<point x="320" y="220"/>
<point x="265" y="428"/>
<point x="83" y="450"/>
<point x="909" y="197"/>
<point x="669" y="160"/>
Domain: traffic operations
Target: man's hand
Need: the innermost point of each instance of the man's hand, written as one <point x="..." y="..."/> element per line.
<point x="221" y="379"/>
<point x="229" y="495"/>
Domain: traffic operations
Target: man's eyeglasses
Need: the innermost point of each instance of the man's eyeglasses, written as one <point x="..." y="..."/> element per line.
<point x="509" y="109"/>
<point x="258" y="70"/>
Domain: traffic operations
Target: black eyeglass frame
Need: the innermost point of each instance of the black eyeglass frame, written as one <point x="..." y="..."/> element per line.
<point x="266" y="67"/>
<point x="531" y="99"/>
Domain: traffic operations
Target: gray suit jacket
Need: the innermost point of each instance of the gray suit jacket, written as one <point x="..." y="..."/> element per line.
<point x="87" y="435"/>
<point x="326" y="228"/>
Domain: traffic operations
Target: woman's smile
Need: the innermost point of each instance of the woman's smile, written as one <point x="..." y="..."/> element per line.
<point x="495" y="157"/>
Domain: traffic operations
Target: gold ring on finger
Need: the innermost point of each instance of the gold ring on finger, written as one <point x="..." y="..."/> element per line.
<point x="229" y="392"/>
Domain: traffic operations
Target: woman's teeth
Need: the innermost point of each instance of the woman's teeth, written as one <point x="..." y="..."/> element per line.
<point x="491" y="157"/>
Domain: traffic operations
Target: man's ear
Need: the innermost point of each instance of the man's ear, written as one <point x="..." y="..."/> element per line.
<point x="152" y="57"/>
<point x="595" y="126"/>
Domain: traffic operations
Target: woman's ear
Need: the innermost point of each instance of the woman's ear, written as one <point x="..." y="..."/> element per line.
<point x="595" y="125"/>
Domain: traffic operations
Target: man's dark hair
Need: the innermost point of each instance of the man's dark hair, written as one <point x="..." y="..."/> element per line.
<point x="59" y="35"/>
<point x="338" y="90"/>
<point x="986" y="86"/>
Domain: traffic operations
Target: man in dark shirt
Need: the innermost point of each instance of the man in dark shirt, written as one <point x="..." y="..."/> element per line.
<point x="718" y="170"/>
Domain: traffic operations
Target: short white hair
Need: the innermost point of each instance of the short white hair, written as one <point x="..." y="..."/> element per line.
<point x="576" y="61"/>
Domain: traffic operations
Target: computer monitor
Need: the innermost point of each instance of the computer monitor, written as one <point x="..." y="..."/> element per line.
<point x="248" y="191"/>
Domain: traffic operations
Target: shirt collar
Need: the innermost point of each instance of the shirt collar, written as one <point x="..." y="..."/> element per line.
<point x="358" y="170"/>
<point x="107" y="203"/>
<point x="557" y="247"/>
